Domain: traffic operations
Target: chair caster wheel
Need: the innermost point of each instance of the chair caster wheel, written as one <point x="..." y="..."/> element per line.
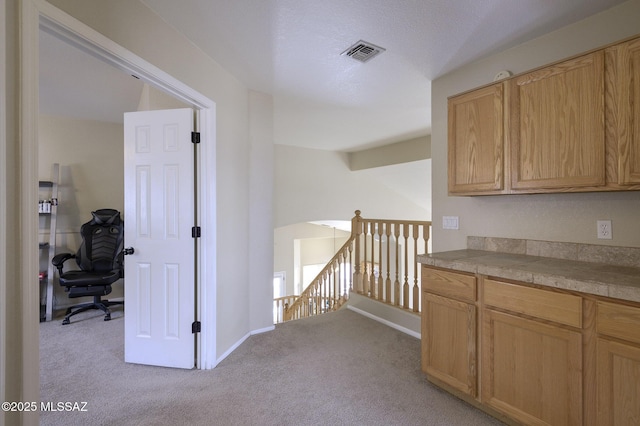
<point x="65" y="321"/>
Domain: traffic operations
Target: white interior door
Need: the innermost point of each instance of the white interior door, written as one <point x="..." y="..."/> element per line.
<point x="159" y="216"/>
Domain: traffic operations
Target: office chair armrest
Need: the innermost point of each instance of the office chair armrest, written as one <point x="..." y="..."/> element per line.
<point x="59" y="259"/>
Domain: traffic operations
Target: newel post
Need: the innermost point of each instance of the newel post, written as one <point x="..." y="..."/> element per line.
<point x="356" y="231"/>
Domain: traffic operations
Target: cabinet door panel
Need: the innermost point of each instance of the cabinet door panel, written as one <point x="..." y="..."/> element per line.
<point x="476" y="141"/>
<point x="623" y="112"/>
<point x="618" y="383"/>
<point x="449" y="342"/>
<point x="557" y="125"/>
<point x="531" y="371"/>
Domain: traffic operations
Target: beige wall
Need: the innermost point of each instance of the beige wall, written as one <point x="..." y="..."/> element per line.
<point x="261" y="209"/>
<point x="556" y="217"/>
<point x="90" y="154"/>
<point x="313" y="185"/>
<point x="318" y="251"/>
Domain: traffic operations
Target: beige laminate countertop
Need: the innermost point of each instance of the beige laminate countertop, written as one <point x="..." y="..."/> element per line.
<point x="620" y="282"/>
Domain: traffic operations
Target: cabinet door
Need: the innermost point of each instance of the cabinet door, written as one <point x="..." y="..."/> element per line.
<point x="623" y="112"/>
<point x="531" y="371"/>
<point x="476" y="141"/>
<point x="618" y="364"/>
<point x="449" y="342"/>
<point x="556" y="122"/>
<point x="618" y="379"/>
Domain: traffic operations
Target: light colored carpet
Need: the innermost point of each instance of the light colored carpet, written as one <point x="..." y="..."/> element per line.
<point x="336" y="369"/>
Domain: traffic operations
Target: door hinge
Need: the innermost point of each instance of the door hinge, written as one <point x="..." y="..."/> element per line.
<point x="195" y="232"/>
<point x="195" y="137"/>
<point x="196" y="327"/>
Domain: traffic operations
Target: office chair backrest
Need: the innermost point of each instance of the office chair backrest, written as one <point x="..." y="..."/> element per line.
<point x="102" y="242"/>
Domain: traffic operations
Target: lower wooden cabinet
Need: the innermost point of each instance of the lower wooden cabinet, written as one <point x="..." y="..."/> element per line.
<point x="531" y="355"/>
<point x="531" y="371"/>
<point x="449" y="329"/>
<point x="618" y="364"/>
<point x="449" y="342"/>
<point x="618" y="377"/>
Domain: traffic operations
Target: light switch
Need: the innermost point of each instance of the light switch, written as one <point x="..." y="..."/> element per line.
<point x="450" y="222"/>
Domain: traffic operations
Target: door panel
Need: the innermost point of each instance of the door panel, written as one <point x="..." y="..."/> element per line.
<point x="159" y="216"/>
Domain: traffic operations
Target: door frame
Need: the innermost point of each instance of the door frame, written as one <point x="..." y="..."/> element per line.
<point x="38" y="14"/>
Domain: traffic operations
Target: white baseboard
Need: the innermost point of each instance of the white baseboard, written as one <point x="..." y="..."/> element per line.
<point x="233" y="348"/>
<point x="263" y="330"/>
<point x="241" y="341"/>
<point x="385" y="322"/>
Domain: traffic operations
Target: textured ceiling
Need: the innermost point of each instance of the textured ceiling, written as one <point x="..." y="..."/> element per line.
<point x="291" y="49"/>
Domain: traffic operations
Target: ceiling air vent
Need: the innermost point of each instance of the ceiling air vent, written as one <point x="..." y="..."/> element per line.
<point x="363" y="51"/>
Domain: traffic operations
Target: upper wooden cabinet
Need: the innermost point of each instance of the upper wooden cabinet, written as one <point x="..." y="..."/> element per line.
<point x="476" y="141"/>
<point x="557" y="125"/>
<point x="623" y="112"/>
<point x="573" y="126"/>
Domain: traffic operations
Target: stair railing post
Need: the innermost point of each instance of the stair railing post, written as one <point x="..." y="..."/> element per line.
<point x="380" y="295"/>
<point x="387" y="287"/>
<point x="396" y="283"/>
<point x="416" y="291"/>
<point x="356" y="231"/>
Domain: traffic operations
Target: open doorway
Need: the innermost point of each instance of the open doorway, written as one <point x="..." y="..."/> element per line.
<point x="82" y="104"/>
<point x="72" y="32"/>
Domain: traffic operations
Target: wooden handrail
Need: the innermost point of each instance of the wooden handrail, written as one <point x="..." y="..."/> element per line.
<point x="280" y="304"/>
<point x="327" y="292"/>
<point x="373" y="262"/>
<point x="376" y="251"/>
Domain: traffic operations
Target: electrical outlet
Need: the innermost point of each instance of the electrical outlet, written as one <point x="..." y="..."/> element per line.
<point x="604" y="229"/>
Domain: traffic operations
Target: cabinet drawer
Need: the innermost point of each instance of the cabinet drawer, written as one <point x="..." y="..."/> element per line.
<point x="619" y="321"/>
<point x="558" y="307"/>
<point x="449" y="284"/>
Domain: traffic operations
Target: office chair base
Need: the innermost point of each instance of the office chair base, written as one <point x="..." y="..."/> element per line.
<point x="97" y="303"/>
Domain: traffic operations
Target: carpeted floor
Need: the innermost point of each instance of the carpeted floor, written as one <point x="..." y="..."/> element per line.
<point x="337" y="369"/>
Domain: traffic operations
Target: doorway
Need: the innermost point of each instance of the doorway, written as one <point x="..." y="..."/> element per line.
<point x="48" y="18"/>
<point x="279" y="290"/>
<point x="82" y="103"/>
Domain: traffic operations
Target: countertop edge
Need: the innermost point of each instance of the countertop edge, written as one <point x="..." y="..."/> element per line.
<point x="597" y="279"/>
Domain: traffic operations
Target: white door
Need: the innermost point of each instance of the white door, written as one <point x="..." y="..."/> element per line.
<point x="159" y="216"/>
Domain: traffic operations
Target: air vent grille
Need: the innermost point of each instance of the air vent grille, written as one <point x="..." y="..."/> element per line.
<point x="363" y="51"/>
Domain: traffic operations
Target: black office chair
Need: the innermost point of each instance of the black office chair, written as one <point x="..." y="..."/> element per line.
<point x="100" y="258"/>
